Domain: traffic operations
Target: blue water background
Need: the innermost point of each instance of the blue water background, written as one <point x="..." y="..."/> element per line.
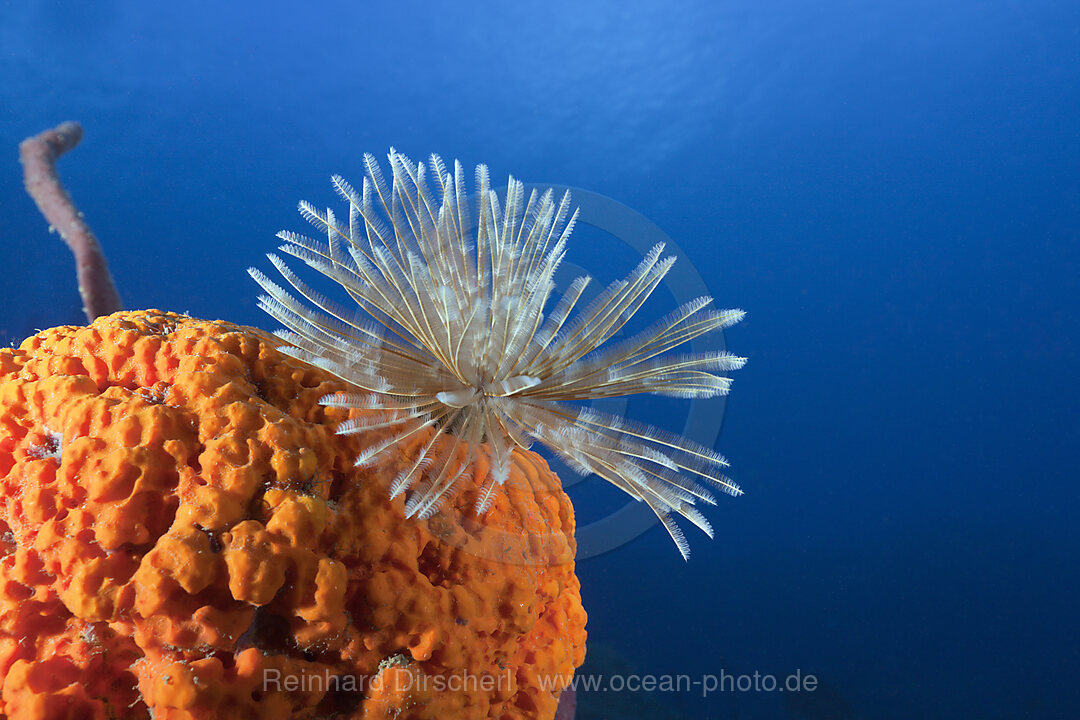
<point x="891" y="189"/>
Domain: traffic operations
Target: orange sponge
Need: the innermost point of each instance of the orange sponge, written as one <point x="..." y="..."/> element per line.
<point x="183" y="536"/>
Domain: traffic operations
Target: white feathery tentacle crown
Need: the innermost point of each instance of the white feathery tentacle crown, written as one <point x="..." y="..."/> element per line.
<point x="451" y="333"/>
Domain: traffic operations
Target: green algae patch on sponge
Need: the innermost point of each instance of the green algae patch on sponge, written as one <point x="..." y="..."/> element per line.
<point x="183" y="536"/>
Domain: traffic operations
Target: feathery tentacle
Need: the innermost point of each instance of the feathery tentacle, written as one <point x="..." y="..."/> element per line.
<point x="451" y="334"/>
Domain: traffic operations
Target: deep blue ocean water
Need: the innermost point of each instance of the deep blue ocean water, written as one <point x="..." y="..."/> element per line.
<point x="891" y="189"/>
